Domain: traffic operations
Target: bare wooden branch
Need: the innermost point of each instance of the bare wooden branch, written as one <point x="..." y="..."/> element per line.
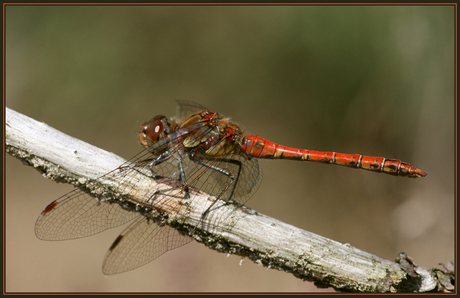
<point x="240" y="230"/>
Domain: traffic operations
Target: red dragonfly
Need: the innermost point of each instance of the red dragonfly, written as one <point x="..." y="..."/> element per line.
<point x="198" y="149"/>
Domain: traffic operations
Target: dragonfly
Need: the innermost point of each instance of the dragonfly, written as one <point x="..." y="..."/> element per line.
<point x="197" y="149"/>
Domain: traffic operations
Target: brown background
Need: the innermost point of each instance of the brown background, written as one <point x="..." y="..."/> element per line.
<point x="375" y="80"/>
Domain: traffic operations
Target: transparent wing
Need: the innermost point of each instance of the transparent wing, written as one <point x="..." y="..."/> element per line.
<point x="186" y="108"/>
<point x="77" y="215"/>
<point x="140" y="243"/>
<point x="232" y="177"/>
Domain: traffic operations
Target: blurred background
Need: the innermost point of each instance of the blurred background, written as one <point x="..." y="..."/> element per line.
<point x="373" y="80"/>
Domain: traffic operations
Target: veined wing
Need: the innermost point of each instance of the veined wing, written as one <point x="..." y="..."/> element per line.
<point x="140" y="243"/>
<point x="77" y="215"/>
<point x="186" y="108"/>
<point x="233" y="176"/>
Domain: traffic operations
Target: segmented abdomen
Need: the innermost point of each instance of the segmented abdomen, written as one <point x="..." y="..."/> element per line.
<point x="261" y="148"/>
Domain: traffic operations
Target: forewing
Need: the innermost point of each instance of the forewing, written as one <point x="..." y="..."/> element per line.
<point x="77" y="215"/>
<point x="234" y="177"/>
<point x="186" y="108"/>
<point x="142" y="242"/>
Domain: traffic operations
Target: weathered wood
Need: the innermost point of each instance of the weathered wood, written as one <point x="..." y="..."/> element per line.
<point x="229" y="229"/>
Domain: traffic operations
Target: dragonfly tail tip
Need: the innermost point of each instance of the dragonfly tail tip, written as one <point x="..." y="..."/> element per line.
<point x="419" y="173"/>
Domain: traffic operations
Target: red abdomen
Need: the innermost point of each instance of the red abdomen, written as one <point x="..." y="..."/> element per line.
<point x="261" y="148"/>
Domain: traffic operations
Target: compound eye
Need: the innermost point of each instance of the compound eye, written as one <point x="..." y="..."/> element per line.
<point x="154" y="128"/>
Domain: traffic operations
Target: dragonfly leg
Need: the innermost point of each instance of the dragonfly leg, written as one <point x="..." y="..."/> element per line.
<point x="149" y="163"/>
<point x="181" y="171"/>
<point x="233" y="180"/>
<point x="164" y="192"/>
<point x="182" y="179"/>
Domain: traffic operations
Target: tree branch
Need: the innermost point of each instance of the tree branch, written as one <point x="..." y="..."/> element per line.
<point x="240" y="230"/>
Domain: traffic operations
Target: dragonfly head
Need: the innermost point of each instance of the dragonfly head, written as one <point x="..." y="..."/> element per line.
<point x="152" y="131"/>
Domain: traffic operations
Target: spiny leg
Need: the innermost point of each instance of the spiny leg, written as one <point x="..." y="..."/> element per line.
<point x="150" y="163"/>
<point x="182" y="180"/>
<point x="233" y="180"/>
